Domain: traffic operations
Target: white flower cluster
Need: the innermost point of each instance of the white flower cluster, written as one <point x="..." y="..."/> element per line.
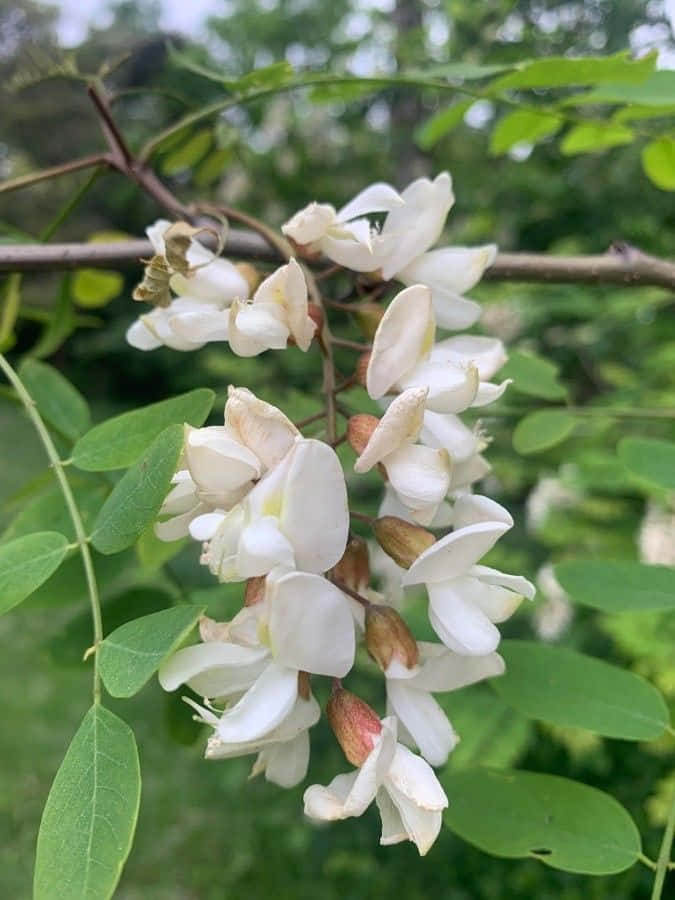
<point x="271" y="509"/>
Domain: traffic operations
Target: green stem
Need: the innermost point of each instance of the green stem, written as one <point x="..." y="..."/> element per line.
<point x="80" y="534"/>
<point x="663" y="862"/>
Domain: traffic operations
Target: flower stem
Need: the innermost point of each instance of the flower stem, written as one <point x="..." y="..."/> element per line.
<point x="57" y="465"/>
<point x="663" y="862"/>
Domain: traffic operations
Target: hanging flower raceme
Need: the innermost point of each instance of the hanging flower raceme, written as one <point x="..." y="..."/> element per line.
<point x="408" y="795"/>
<point x="296" y="516"/>
<point x="221" y="463"/>
<point x="466" y="599"/>
<point x="404" y="356"/>
<point x="277" y="312"/>
<point x="205" y="288"/>
<point x="346" y="236"/>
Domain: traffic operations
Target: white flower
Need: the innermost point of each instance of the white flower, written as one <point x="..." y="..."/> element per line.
<point x="404" y="356"/>
<point x="346" y="236"/>
<point x="296" y="516"/>
<point x="420" y="476"/>
<point x="199" y="313"/>
<point x="278" y="310"/>
<point x="221" y="463"/>
<point x="465" y="599"/>
<point x="408" y="795"/>
<point x="409" y="693"/>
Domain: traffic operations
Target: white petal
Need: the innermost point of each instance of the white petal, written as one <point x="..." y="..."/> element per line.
<point x="155" y="233"/>
<point x="454" y="313"/>
<point x="453" y="269"/>
<point x="403" y="338"/>
<point x="400" y="425"/>
<point x="218" y="283"/>
<point x="455" y="553"/>
<point x="262" y="546"/>
<point x="448" y="432"/>
<point x="458" y="621"/>
<point x="310" y="625"/>
<point x="415" y="778"/>
<point x="177" y="527"/>
<point x="263" y="323"/>
<point x="452" y="389"/>
<point x="217" y="462"/>
<point x="310" y="223"/>
<point x="417" y="224"/>
<point x="473" y="508"/>
<point x="263" y="706"/>
<point x="424" y="719"/>
<point x="487" y="354"/>
<point x="393" y="830"/>
<point x="203" y="528"/>
<point x="513" y="582"/>
<point x="140" y="336"/>
<point x="315" y="516"/>
<point x="263" y="428"/>
<point x="466" y="473"/>
<point x="213" y="669"/>
<point x="442" y="670"/>
<point x="489" y="392"/>
<point x="378" y="197"/>
<point x="327" y="804"/>
<point x="348" y="252"/>
<point x="221" y="555"/>
<point x="420" y="476"/>
<point x="286" y="764"/>
<point x="201" y="326"/>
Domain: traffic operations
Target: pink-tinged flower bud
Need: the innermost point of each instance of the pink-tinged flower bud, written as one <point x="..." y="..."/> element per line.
<point x="304" y="685"/>
<point x="402" y="540"/>
<point x="353" y="569"/>
<point x="355" y="724"/>
<point x="250" y="275"/>
<point x="388" y="637"/>
<point x="316" y="315"/>
<point x="255" y="590"/>
<point x="361" y="369"/>
<point x="368" y="317"/>
<point x="359" y="429"/>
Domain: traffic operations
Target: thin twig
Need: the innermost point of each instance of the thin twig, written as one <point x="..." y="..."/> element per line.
<point x="362" y="517"/>
<point x="75" y="165"/>
<point x="310" y="419"/>
<point x="351" y="345"/>
<point x="347" y="590"/>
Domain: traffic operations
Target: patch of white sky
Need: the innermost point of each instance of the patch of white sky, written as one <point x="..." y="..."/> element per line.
<point x="77" y="16"/>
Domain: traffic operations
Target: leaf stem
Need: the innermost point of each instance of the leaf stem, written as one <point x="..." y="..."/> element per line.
<point x="662" y="863"/>
<point x="57" y="465"/>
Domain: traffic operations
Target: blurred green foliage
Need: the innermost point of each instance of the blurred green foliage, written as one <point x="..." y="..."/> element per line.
<point x="204" y="831"/>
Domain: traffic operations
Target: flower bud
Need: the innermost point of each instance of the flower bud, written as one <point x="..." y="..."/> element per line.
<point x="359" y="429"/>
<point x="250" y="275"/>
<point x="368" y="317"/>
<point x="304" y="686"/>
<point x="361" y="369"/>
<point x="353" y="569"/>
<point x="316" y="315"/>
<point x="402" y="540"/>
<point x="355" y="724"/>
<point x="388" y="637"/>
<point x="255" y="590"/>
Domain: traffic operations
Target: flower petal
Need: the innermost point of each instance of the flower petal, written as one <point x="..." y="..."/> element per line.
<point x="513" y="582"/>
<point x="487" y="354"/>
<point x="424" y="719"/>
<point x="443" y="670"/>
<point x="213" y="669"/>
<point x="400" y="425"/>
<point x="470" y="509"/>
<point x="310" y="223"/>
<point x="378" y="197"/>
<point x="141" y="337"/>
<point x="262" y="546"/>
<point x="421" y="477"/>
<point x="452" y="389"/>
<point x="264" y="706"/>
<point x="286" y="763"/>
<point x="452" y="269"/>
<point x="393" y="831"/>
<point x="403" y="338"/>
<point x="448" y="432"/>
<point x="218" y="283"/>
<point x="489" y="392"/>
<point x="458" y="620"/>
<point x="455" y="553"/>
<point x="261" y="427"/>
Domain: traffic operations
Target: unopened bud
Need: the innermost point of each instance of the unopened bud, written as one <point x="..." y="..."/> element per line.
<point x="355" y="724"/>
<point x="388" y="637"/>
<point x="250" y="275"/>
<point x="210" y="630"/>
<point x="316" y="315"/>
<point x="353" y="569"/>
<point x="359" y="429"/>
<point x="361" y="369"/>
<point x="304" y="687"/>
<point x="402" y="540"/>
<point x="255" y="590"/>
<point x="368" y="317"/>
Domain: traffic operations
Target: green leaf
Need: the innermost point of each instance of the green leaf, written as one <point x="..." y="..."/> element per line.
<point x="88" y="823"/>
<point x="93" y="288"/>
<point x="533" y="376"/>
<point x="57" y="401"/>
<point x="592" y="138"/>
<point x="658" y="161"/>
<point x="272" y="76"/>
<point x="188" y="154"/>
<point x="656" y="90"/>
<point x="132" y="653"/>
<point x="562" y="823"/>
<point x="522" y="125"/>
<point x="465" y="71"/>
<point x="542" y="430"/>
<point x="441" y="124"/>
<point x="565" y="71"/>
<point x="213" y="167"/>
<point x="563" y="687"/>
<point x="26" y="563"/>
<point x="136" y="498"/>
<point x="650" y="460"/>
<point x="618" y="586"/>
<point x="153" y="553"/>
<point x="118" y="442"/>
<point x="491" y="732"/>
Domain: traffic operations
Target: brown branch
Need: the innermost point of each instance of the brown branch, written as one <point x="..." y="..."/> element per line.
<point x="76" y="165"/>
<point x="620" y="265"/>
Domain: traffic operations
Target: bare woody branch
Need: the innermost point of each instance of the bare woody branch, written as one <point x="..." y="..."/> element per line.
<point x="622" y="264"/>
